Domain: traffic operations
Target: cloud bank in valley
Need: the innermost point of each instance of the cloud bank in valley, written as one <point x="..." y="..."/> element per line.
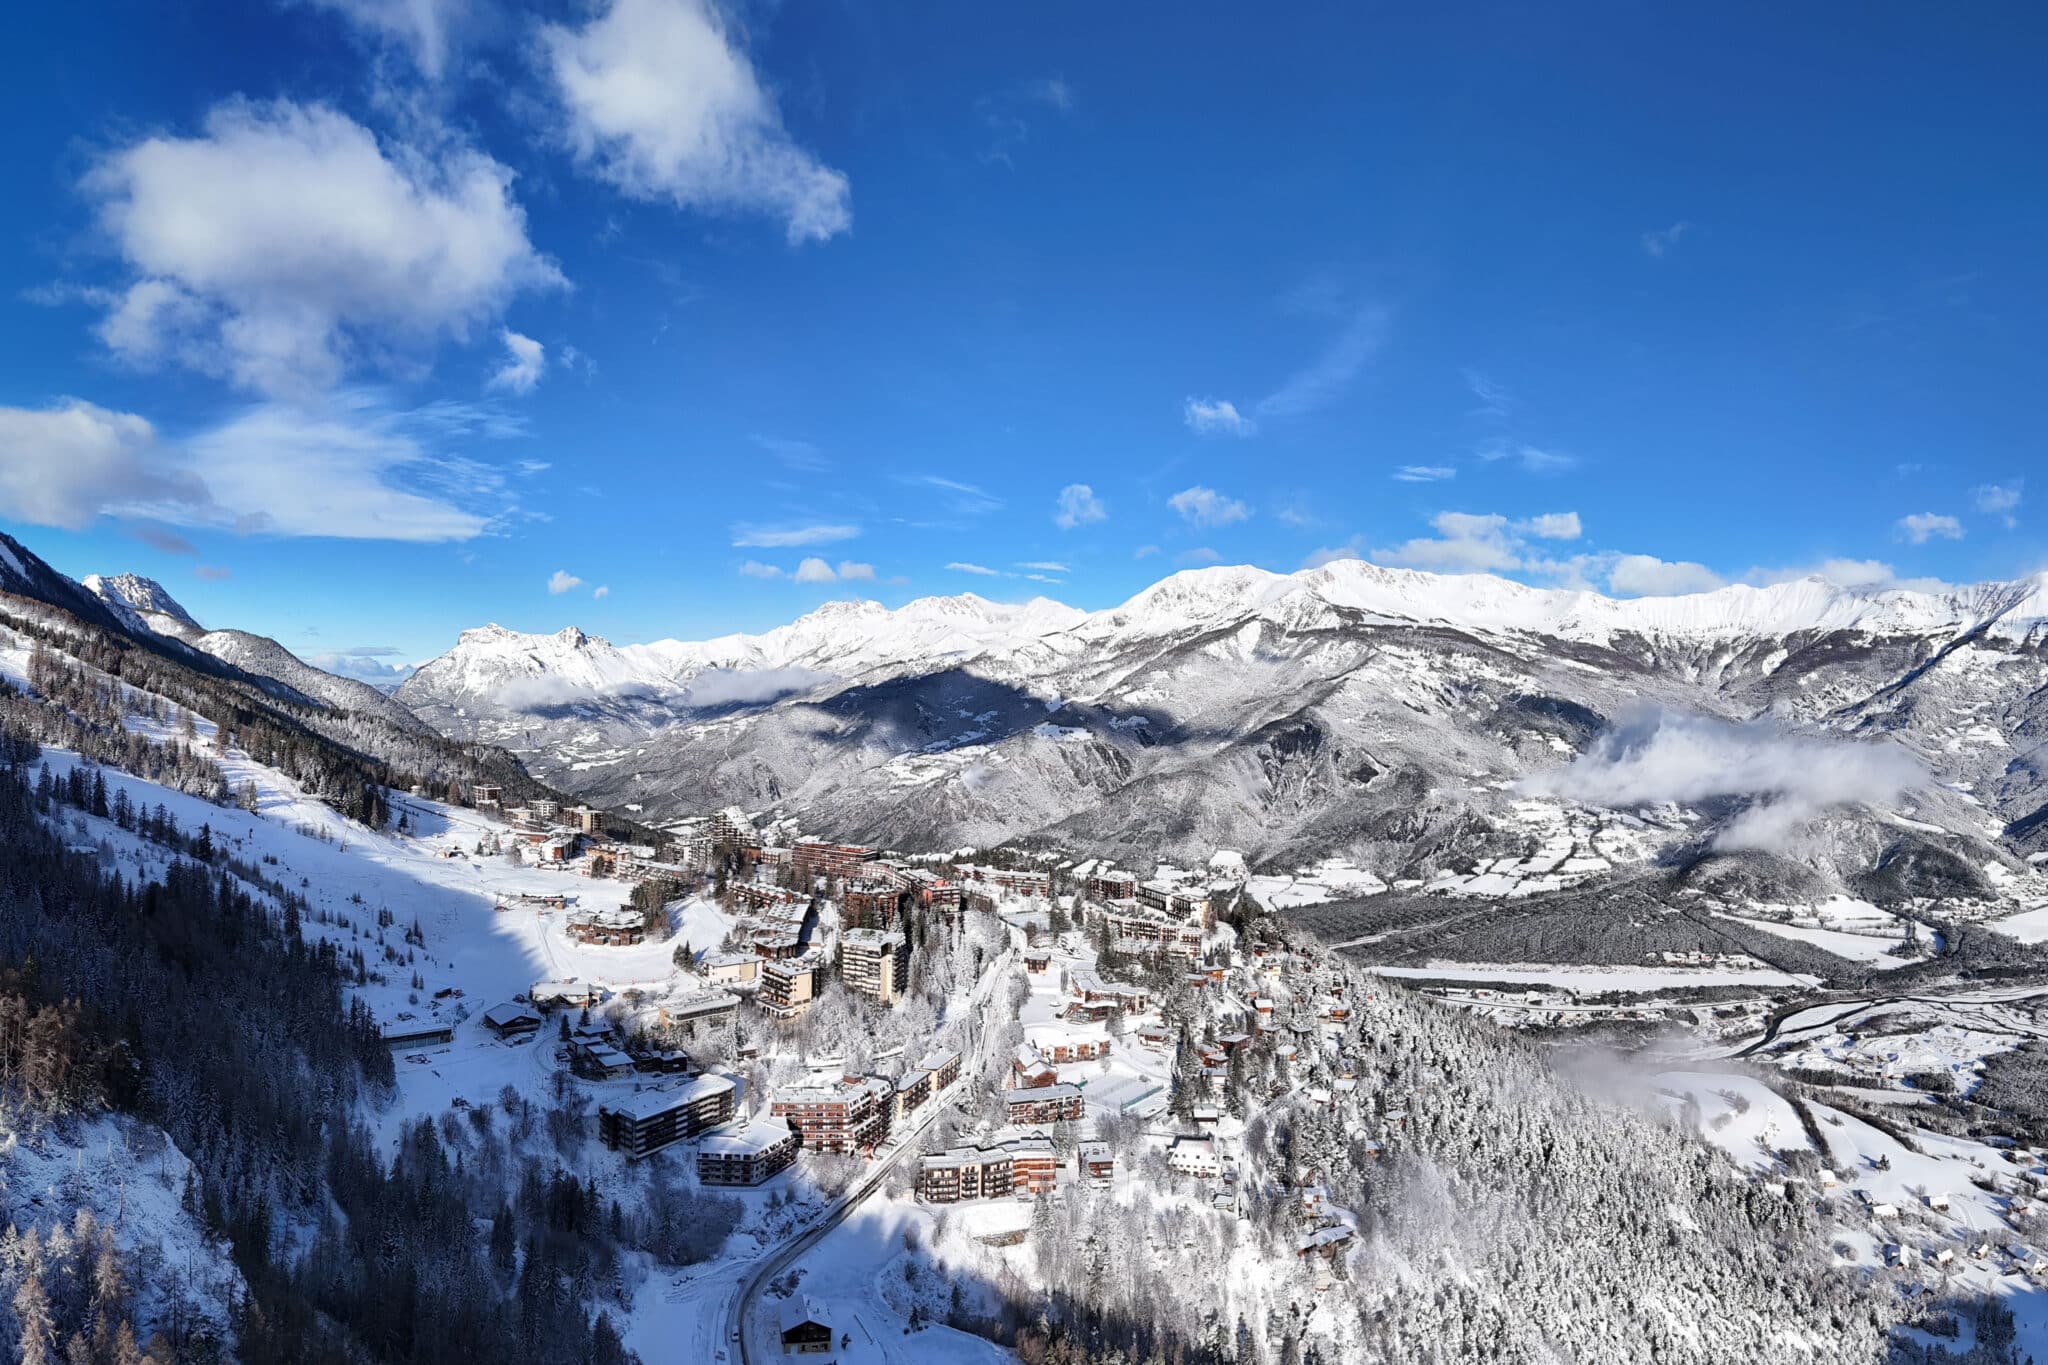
<point x="744" y="687"/>
<point x="1653" y="755"/>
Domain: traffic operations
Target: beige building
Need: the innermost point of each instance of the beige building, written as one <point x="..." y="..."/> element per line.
<point x="875" y="962"/>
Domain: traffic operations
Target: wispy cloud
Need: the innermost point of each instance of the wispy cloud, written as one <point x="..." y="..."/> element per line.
<point x="963" y="499"/>
<point x="1326" y="378"/>
<point x="1921" y="527"/>
<point x="1495" y="402"/>
<point x="802" y="456"/>
<point x="1216" y="417"/>
<point x="1199" y="506"/>
<point x="1009" y="117"/>
<point x="1660" y="243"/>
<point x="1077" y="505"/>
<point x="1424" y="473"/>
<point x="1999" y="500"/>
<point x="1043" y="566"/>
<point x="983" y="570"/>
<point x="752" y="536"/>
<point x="1533" y="459"/>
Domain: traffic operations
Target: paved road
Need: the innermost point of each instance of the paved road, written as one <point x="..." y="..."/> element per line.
<point x="778" y="1262"/>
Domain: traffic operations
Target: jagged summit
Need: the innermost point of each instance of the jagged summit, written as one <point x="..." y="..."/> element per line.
<point x="144" y="596"/>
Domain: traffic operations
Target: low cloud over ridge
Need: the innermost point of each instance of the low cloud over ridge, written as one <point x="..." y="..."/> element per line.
<point x="1653" y="755"/>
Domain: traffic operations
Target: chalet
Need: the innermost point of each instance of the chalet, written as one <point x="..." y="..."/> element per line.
<point x="1194" y="1156"/>
<point x="512" y="1020"/>
<point x="1207" y="1115"/>
<point x="613" y="928"/>
<point x="1044" y="1104"/>
<point x="1095" y="1161"/>
<point x="747" y="1155"/>
<point x="804" y="1329"/>
<point x="552" y="995"/>
<point x="845" y="1116"/>
<point x="1038" y="961"/>
<point x="944" y="1066"/>
<point x="1029" y="1070"/>
<point x="1938" y="1202"/>
<point x="1326" y="1241"/>
<point x="733" y="969"/>
<point x="1063" y="1043"/>
<point x="649" y="1120"/>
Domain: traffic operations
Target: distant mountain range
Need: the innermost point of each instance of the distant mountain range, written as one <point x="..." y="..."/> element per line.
<point x="1402" y="719"/>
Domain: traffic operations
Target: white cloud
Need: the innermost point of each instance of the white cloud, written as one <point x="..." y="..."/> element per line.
<point x="1216" y="417"/>
<point x="957" y="566"/>
<point x="1552" y="526"/>
<point x="738" y="687"/>
<point x="1201" y="554"/>
<point x="561" y="581"/>
<point x="285" y="245"/>
<point x="747" y="536"/>
<point x="850" y="569"/>
<point x="754" y="568"/>
<point x="1649" y="576"/>
<point x="1847" y="573"/>
<point x="1043" y="565"/>
<point x="360" y="665"/>
<point x="421" y="28"/>
<point x="1199" y="506"/>
<point x="64" y="466"/>
<point x="659" y="102"/>
<point x="1077" y="505"/>
<point x="1999" y="500"/>
<point x="1318" y="385"/>
<point x="813" y="570"/>
<point x="1144" y="552"/>
<point x="601" y="593"/>
<point x="1654" y="756"/>
<point x="1921" y="527"/>
<point x="525" y="358"/>
<point x="1658" y="244"/>
<point x="1425" y="473"/>
<point x="964" y="498"/>
<point x="1465" y="543"/>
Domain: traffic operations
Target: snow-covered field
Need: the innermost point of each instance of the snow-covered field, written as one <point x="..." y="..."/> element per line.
<point x="1593" y="980"/>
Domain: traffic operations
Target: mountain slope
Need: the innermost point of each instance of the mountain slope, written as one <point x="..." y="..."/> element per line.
<point x="145" y="606"/>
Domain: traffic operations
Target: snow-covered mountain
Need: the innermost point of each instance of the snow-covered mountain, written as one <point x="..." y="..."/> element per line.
<point x="144" y="605"/>
<point x="1404" y="719"/>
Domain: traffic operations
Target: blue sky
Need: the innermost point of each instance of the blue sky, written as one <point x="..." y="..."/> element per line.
<point x="358" y="322"/>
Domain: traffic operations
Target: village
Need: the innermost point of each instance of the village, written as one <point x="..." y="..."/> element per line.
<point x="1129" y="1028"/>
